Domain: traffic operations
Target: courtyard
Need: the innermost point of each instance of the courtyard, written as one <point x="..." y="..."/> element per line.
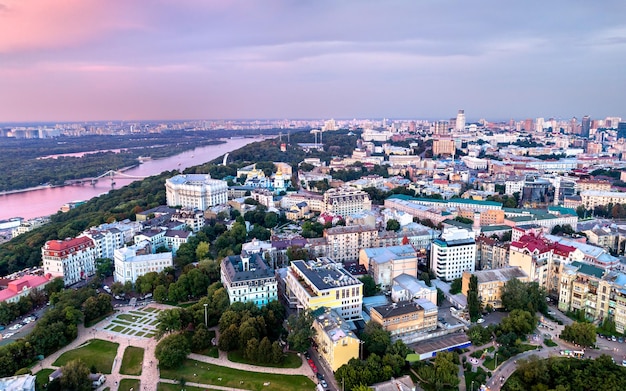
<point x="138" y="322"/>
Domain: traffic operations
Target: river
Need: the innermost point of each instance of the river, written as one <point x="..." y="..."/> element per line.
<point x="47" y="201"/>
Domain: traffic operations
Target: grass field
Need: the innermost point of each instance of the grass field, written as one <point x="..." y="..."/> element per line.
<point x="211" y="374"/>
<point x="132" y="360"/>
<point x="42" y="377"/>
<point x="117" y="329"/>
<point x="96" y="352"/>
<point x="291" y="360"/>
<point x="127" y="384"/>
<point x="128" y="317"/>
<point x="176" y="387"/>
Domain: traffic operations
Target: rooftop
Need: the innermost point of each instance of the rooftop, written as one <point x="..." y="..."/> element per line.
<point x="325" y="274"/>
<point x="386" y="254"/>
<point x="257" y="268"/>
<point x="397" y="309"/>
<point x="504" y="274"/>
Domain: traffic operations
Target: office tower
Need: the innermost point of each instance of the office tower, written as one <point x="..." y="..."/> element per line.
<point x="621" y="130"/>
<point x="460" y="120"/>
<point x="586" y="125"/>
<point x="539" y="125"/>
<point x="440" y="127"/>
<point x="528" y="125"/>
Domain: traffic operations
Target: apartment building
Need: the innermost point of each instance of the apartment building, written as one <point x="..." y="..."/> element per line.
<point x="336" y="343"/>
<point x="407" y="288"/>
<point x="593" y="198"/>
<point x="70" y="259"/>
<point x="174" y="238"/>
<point x="345" y="201"/>
<point x="134" y="261"/>
<point x="491" y="253"/>
<point x="324" y="283"/>
<point x="491" y="283"/>
<point x="247" y="278"/>
<point x="22" y="287"/>
<point x="191" y="218"/>
<point x="263" y="197"/>
<point x="583" y="288"/>
<point x="315" y="201"/>
<point x="344" y="243"/>
<point x="406" y="318"/>
<point x="593" y="184"/>
<point x="386" y="263"/>
<point x="196" y="191"/>
<point x="453" y="253"/>
<point x="106" y="241"/>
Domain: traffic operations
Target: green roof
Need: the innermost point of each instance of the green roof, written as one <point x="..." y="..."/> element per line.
<point x="589" y="270"/>
<point x="457" y="223"/>
<point x="562" y="210"/>
<point x="401" y="197"/>
<point x="491" y="228"/>
<point x="520" y="218"/>
<point x="515" y="210"/>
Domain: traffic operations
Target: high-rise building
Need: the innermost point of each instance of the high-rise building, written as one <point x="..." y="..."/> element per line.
<point x="440" y="127"/>
<point x="453" y="253"/>
<point x="621" y="130"/>
<point x="586" y="126"/>
<point x="195" y="191"/>
<point x="460" y="120"/>
<point x="528" y="125"/>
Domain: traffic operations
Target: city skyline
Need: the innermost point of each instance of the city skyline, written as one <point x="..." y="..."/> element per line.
<point x="88" y="61"/>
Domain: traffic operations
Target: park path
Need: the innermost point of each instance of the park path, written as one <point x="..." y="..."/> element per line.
<point x="150" y="375"/>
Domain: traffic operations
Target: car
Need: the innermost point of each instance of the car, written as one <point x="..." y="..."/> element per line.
<point x="620" y="340"/>
<point x="613" y="338"/>
<point x="624" y="363"/>
<point x="8" y="335"/>
<point x="481" y="320"/>
<point x="319" y="376"/>
<point x="323" y="383"/>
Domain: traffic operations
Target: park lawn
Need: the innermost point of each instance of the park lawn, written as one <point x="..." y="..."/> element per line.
<point x="550" y="343"/>
<point x="117" y="328"/>
<point x="42" y="377"/>
<point x="132" y="360"/>
<point x="291" y="360"/>
<point x="96" y="352"/>
<point x="490" y="363"/>
<point x="234" y="378"/>
<point x="176" y="387"/>
<point x="129" y="318"/>
<point x="127" y="384"/>
<point x="526" y="347"/>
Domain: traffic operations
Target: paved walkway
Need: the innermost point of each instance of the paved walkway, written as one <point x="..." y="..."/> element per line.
<point x="150" y="375"/>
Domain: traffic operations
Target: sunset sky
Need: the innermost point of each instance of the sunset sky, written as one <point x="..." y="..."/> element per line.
<point x="70" y="60"/>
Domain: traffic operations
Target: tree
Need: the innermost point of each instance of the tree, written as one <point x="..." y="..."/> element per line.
<point x="580" y="333"/>
<point x="201" y="338"/>
<point x="376" y="340"/>
<point x="297" y="253"/>
<point x="370" y="288"/>
<point x="441" y="296"/>
<point x="527" y="296"/>
<point x="443" y="374"/>
<point x="455" y="286"/>
<point x="160" y="293"/>
<point x="519" y="322"/>
<point x="172" y="350"/>
<point x="393" y="225"/>
<point x="300" y="331"/>
<point x="202" y="251"/>
<point x="75" y="376"/>
<point x="169" y="321"/>
<point x="104" y="267"/>
<point x="54" y="286"/>
<point x="473" y="302"/>
<point x="270" y="220"/>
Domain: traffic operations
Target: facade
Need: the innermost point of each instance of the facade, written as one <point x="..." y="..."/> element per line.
<point x="193" y="219"/>
<point x="386" y="263"/>
<point x="247" y="278"/>
<point x="132" y="262"/>
<point x="491" y="253"/>
<point x="175" y="238"/>
<point x="29" y="225"/>
<point x="23" y="286"/>
<point x="443" y="146"/>
<point x="106" y="241"/>
<point x="453" y="253"/>
<point x="71" y="259"/>
<point x="406" y="318"/>
<point x="263" y="197"/>
<point x="336" y="344"/>
<point x="491" y="283"/>
<point x="345" y="201"/>
<point x="196" y="191"/>
<point x="324" y="283"/>
<point x="344" y="243"/>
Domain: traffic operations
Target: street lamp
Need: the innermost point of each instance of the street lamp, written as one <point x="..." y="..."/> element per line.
<point x="472" y="385"/>
<point x="496" y="357"/>
<point x="206" y="319"/>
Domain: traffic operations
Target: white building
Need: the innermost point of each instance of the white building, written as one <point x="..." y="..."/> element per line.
<point x="18" y="383"/>
<point x="345" y="201"/>
<point x="408" y="288"/>
<point x="593" y="198"/>
<point x="106" y="241"/>
<point x="175" y="238"/>
<point x="247" y="278"/>
<point x="70" y="259"/>
<point x="453" y="253"/>
<point x="195" y="191"/>
<point x="132" y="262"/>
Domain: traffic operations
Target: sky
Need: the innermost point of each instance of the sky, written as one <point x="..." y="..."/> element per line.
<point x="81" y="60"/>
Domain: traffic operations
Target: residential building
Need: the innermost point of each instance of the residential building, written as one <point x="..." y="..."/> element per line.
<point x="344" y="243"/>
<point x="453" y="253"/>
<point x="324" y="283"/>
<point x="29" y="225"/>
<point x="71" y="259"/>
<point x="193" y="219"/>
<point x="408" y="288"/>
<point x="491" y="284"/>
<point x="406" y="318"/>
<point x="106" y="241"/>
<point x="593" y="198"/>
<point x="155" y="236"/>
<point x="263" y="197"/>
<point x="443" y="146"/>
<point x="404" y="383"/>
<point x="593" y="185"/>
<point x="336" y="343"/>
<point x="386" y="263"/>
<point x="196" y="191"/>
<point x="491" y="253"/>
<point x="345" y="201"/>
<point x="583" y="288"/>
<point x="247" y="278"/>
<point x="175" y="238"/>
<point x="134" y="261"/>
<point x="21" y="287"/>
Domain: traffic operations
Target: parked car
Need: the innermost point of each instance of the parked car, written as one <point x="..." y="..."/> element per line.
<point x="319" y="376"/>
<point x="323" y="383"/>
<point x="613" y="338"/>
<point x="8" y="335"/>
<point x="481" y="320"/>
<point x="620" y="340"/>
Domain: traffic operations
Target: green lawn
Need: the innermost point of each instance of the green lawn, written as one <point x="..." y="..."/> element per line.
<point x="131" y="363"/>
<point x="129" y="318"/>
<point x="291" y="360"/>
<point x="42" y="377"/>
<point x="550" y="343"/>
<point x="118" y="328"/>
<point x="176" y="387"/>
<point x="127" y="384"/>
<point x="96" y="352"/>
<point x="210" y="374"/>
<point x="149" y="309"/>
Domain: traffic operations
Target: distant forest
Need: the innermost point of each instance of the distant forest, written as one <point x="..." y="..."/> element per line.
<point x="21" y="166"/>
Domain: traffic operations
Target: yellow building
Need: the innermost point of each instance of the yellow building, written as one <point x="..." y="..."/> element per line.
<point x="491" y="283"/>
<point x="406" y="318"/>
<point x="324" y="283"/>
<point x="336" y="344"/>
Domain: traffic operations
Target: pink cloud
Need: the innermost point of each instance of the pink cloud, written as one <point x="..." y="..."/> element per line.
<point x="51" y="24"/>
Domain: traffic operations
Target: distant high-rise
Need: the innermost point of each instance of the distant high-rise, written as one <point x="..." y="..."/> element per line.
<point x="528" y="125"/>
<point x="539" y="125"/>
<point x="586" y="125"/>
<point x="460" y="120"/>
<point x="440" y="127"/>
<point x="621" y="130"/>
